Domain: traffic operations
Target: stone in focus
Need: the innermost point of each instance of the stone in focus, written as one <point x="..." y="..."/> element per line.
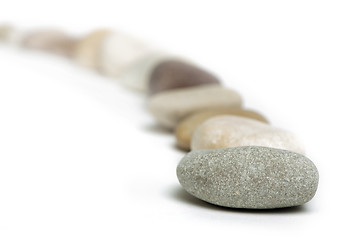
<point x="88" y="49"/>
<point x="51" y="40"/>
<point x="249" y="177"/>
<point x="233" y="131"/>
<point x="187" y="126"/>
<point x="173" y="74"/>
<point x="170" y="107"/>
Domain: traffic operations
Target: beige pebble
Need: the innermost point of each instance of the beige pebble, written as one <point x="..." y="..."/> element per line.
<point x="54" y="41"/>
<point x="186" y="127"/>
<point x="232" y="131"/>
<point x="171" y="106"/>
<point x="87" y="50"/>
<point x="119" y="52"/>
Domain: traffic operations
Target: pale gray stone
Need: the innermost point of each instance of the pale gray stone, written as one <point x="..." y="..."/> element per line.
<point x="249" y="177"/>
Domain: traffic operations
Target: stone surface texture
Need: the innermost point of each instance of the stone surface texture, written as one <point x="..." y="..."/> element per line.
<point x="249" y="177"/>
<point x="232" y="131"/>
<point x="187" y="126"/>
<point x="172" y="74"/>
<point x="170" y="107"/>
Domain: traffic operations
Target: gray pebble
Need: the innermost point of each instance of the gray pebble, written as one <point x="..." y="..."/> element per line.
<point x="249" y="177"/>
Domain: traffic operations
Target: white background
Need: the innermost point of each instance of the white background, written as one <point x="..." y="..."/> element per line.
<point x="80" y="158"/>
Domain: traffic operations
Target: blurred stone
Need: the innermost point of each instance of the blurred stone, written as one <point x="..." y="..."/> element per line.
<point x="187" y="126"/>
<point x="174" y="74"/>
<point x="232" y="131"/>
<point x="169" y="107"/>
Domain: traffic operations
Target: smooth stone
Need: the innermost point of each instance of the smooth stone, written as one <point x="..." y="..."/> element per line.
<point x="170" y="107"/>
<point x="54" y="41"/>
<point x="187" y="126"/>
<point x="249" y="177"/>
<point x="174" y="74"/>
<point x="87" y="50"/>
<point x="10" y="35"/>
<point x="137" y="75"/>
<point x="231" y="131"/>
<point x="119" y="52"/>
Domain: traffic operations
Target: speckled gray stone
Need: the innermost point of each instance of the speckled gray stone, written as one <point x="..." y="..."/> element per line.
<point x="249" y="177"/>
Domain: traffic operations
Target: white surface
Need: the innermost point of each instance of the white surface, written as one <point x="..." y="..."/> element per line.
<point x="81" y="159"/>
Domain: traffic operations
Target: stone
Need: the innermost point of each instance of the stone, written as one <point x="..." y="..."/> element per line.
<point x="251" y="177"/>
<point x="51" y="40"/>
<point x="137" y="75"/>
<point x="10" y="35"/>
<point x="170" y="107"/>
<point x="88" y="49"/>
<point x="174" y="74"/>
<point x="119" y="52"/>
<point x="232" y="131"/>
<point x="187" y="126"/>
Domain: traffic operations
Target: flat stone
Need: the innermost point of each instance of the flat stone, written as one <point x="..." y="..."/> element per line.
<point x="249" y="177"/>
<point x="187" y="126"/>
<point x="51" y="40"/>
<point x="170" y="107"/>
<point x="119" y="52"/>
<point x="174" y="74"/>
<point x="232" y="131"/>
<point x="88" y="49"/>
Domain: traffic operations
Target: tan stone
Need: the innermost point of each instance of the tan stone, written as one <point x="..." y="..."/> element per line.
<point x="186" y="127"/>
<point x="51" y="40"/>
<point x="171" y="106"/>
<point x="231" y="131"/>
<point x="87" y="51"/>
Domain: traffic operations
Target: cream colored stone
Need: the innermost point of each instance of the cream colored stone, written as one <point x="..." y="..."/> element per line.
<point x="187" y="126"/>
<point x="118" y="53"/>
<point x="171" y="106"/>
<point x="88" y="49"/>
<point x="232" y="131"/>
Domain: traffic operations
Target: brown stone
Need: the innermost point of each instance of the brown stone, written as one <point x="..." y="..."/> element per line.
<point x="174" y="74"/>
<point x="186" y="127"/>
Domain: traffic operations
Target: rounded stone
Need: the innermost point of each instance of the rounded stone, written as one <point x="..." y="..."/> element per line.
<point x="87" y="50"/>
<point x="119" y="52"/>
<point x="232" y="131"/>
<point x="170" y="107"/>
<point x="249" y="177"/>
<point x="187" y="126"/>
<point x="51" y="40"/>
<point x="137" y="75"/>
<point x="173" y="74"/>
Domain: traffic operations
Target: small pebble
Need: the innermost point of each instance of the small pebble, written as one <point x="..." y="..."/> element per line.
<point x="187" y="126"/>
<point x="137" y="75"/>
<point x="173" y="74"/>
<point x="170" y="107"/>
<point x="232" y="131"/>
<point x="119" y="52"/>
<point x="87" y="50"/>
<point x="249" y="177"/>
<point x="54" y="41"/>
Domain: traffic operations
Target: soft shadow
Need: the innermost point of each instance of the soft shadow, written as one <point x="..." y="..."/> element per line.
<point x="177" y="148"/>
<point x="179" y="194"/>
<point x="155" y="128"/>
